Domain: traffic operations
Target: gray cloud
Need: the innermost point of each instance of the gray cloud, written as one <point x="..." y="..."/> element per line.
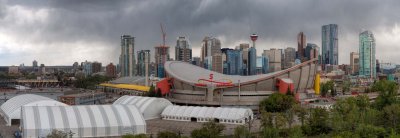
<point x="81" y="30"/>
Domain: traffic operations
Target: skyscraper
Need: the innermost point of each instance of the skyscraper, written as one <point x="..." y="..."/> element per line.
<point x="354" y="62"/>
<point x="143" y="58"/>
<point x="183" y="52"/>
<point x="265" y="63"/>
<point x="290" y="57"/>
<point x="252" y="61"/>
<point x="244" y="47"/>
<point x="367" y="55"/>
<point x="87" y="68"/>
<point x="311" y="51"/>
<point x="234" y="62"/>
<point x="196" y="61"/>
<point x="127" y="58"/>
<point x="217" y="64"/>
<point x="34" y="64"/>
<point x="275" y="58"/>
<point x="111" y="70"/>
<point x="301" y="45"/>
<point x="210" y="47"/>
<point x="330" y="45"/>
<point x="161" y="55"/>
<point x="96" y="67"/>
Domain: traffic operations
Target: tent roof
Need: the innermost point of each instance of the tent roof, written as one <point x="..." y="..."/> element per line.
<point x="207" y="112"/>
<point x="145" y="104"/>
<point x="82" y="117"/>
<point x="12" y="108"/>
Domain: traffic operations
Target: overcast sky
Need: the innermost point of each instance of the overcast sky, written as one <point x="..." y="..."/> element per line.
<point x="64" y="31"/>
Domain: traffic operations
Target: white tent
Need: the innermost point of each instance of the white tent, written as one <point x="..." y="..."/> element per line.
<point x="11" y="109"/>
<point x="150" y="107"/>
<point x="82" y="121"/>
<point x="206" y="114"/>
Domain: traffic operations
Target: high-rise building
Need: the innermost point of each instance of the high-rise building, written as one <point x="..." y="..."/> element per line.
<point x="290" y="57"/>
<point x="161" y="54"/>
<point x="234" y="62"/>
<point x="111" y="70"/>
<point x="243" y="46"/>
<point x="196" y="61"/>
<point x="354" y="62"/>
<point x="87" y="68"/>
<point x="265" y="63"/>
<point x="245" y="52"/>
<point x="301" y="45"/>
<point x="75" y="66"/>
<point x="34" y="64"/>
<point x="311" y="51"/>
<point x="183" y="52"/>
<point x="209" y="47"/>
<point x="217" y="64"/>
<point x="275" y="58"/>
<point x="143" y="58"/>
<point x="330" y="47"/>
<point x="96" y="67"/>
<point x="367" y="54"/>
<point x="127" y="61"/>
<point x="252" y="61"/>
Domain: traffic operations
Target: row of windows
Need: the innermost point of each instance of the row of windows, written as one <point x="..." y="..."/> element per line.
<point x="203" y="119"/>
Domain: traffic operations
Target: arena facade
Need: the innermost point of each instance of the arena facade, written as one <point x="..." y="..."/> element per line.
<point x="193" y="85"/>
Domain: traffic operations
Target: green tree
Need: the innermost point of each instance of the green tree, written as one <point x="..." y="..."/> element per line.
<point x="387" y="93"/>
<point x="270" y="132"/>
<point x="391" y="116"/>
<point x="151" y="92"/>
<point x="209" y="130"/>
<point x="57" y="134"/>
<point x="90" y="82"/>
<point x="290" y="116"/>
<point x="327" y="87"/>
<point x="167" y="134"/>
<point x="370" y="131"/>
<point x="277" y="102"/>
<point x="267" y="119"/>
<point x="346" y="86"/>
<point x="317" y="122"/>
<point x="295" y="132"/>
<point x="300" y="112"/>
<point x="134" y="136"/>
<point x="241" y="132"/>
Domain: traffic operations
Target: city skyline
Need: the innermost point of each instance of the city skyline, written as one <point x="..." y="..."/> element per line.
<point x="63" y="32"/>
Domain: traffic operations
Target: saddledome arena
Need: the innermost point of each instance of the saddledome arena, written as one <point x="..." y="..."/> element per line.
<point x="194" y="85"/>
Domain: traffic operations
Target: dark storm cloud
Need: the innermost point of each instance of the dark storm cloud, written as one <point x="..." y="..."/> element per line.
<point x="276" y="22"/>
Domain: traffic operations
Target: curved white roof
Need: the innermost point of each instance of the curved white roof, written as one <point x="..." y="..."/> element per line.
<point x="12" y="108"/>
<point x="202" y="114"/>
<point x="82" y="121"/>
<point x="184" y="71"/>
<point x="150" y="107"/>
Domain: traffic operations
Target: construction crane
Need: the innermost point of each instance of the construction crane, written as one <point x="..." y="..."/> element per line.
<point x="162" y="50"/>
<point x="163" y="46"/>
<point x="163" y="34"/>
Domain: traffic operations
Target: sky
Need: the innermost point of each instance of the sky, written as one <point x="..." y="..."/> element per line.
<point x="62" y="32"/>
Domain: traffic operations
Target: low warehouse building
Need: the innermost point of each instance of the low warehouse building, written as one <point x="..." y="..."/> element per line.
<point x="150" y="107"/>
<point x="206" y="114"/>
<point x="11" y="110"/>
<point x="82" y="121"/>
